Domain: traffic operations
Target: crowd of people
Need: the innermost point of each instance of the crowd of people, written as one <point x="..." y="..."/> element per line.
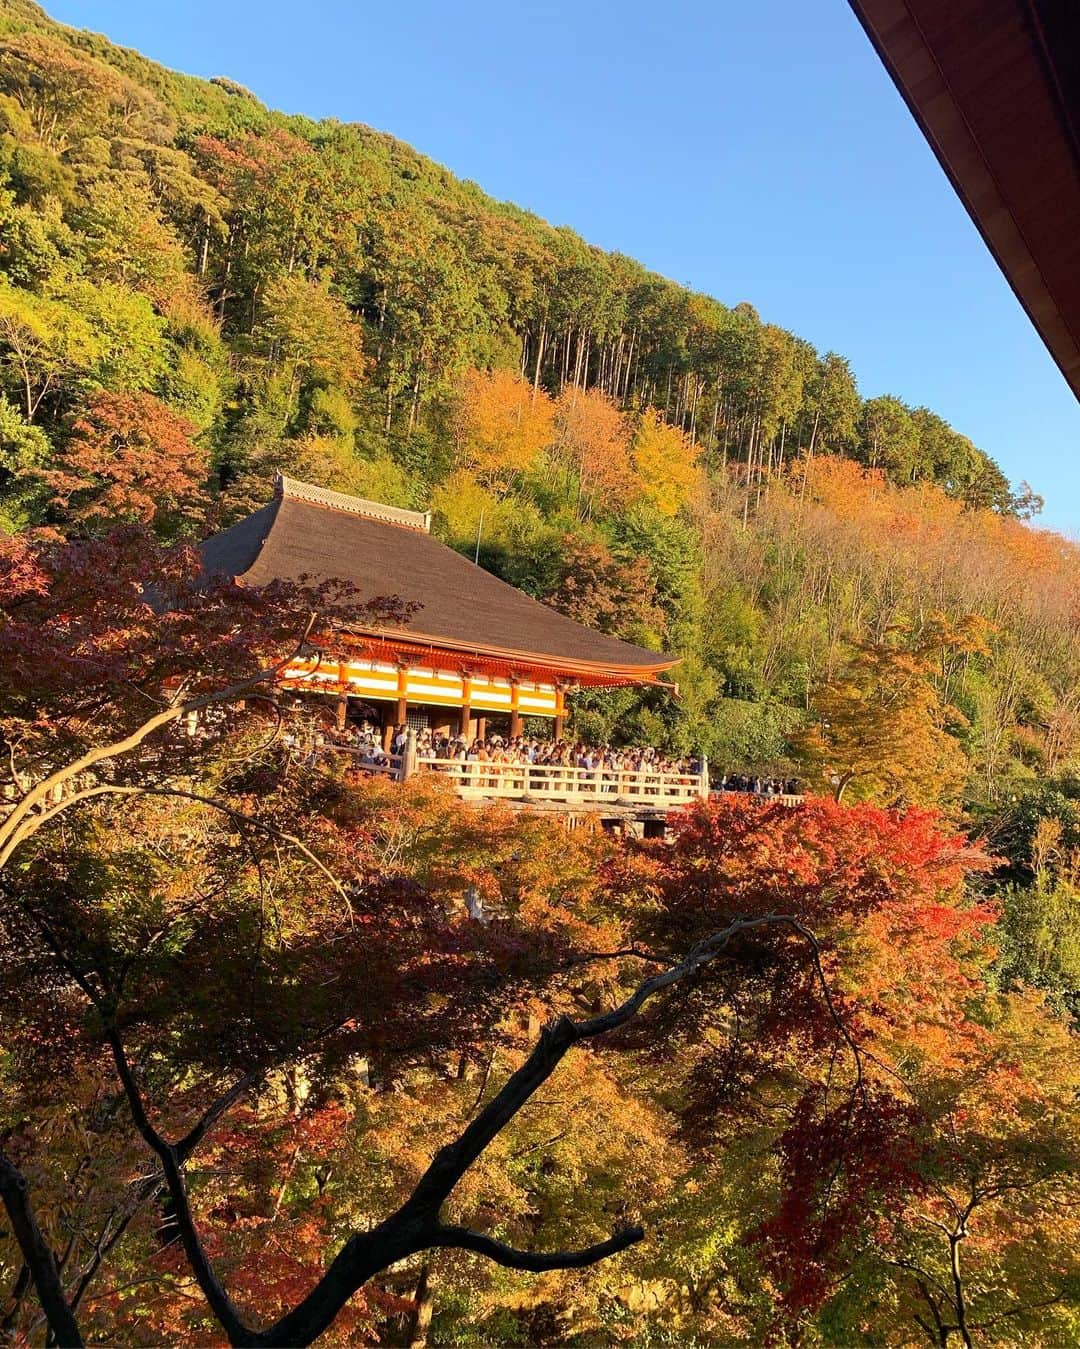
<point x="528" y="750"/>
<point x="365" y="740"/>
<point x="609" y="763"/>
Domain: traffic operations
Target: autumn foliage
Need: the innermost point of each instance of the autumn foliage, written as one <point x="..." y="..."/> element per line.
<point x="129" y="457"/>
<point x="809" y="1075"/>
<point x="501" y="424"/>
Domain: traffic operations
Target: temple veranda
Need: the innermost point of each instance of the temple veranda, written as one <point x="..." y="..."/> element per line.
<point x="475" y="659"/>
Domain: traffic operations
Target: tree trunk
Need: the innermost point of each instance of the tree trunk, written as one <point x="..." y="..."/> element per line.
<point x="809" y="454"/>
<point x="420" y="1318"/>
<point x="38" y="1256"/>
<point x="958" y="1287"/>
<point x="539" y="357"/>
<point x="415" y="406"/>
<point x="629" y="364"/>
<point x="204" y="249"/>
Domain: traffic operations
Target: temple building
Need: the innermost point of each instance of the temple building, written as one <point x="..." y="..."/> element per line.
<point x="475" y="658"/>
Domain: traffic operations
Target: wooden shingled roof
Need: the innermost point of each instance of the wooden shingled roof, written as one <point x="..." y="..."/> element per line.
<point x="310" y="532"/>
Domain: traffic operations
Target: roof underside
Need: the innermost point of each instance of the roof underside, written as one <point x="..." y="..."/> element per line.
<point x="995" y="87"/>
<point x="465" y="608"/>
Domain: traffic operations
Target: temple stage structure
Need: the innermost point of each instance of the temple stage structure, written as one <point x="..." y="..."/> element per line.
<point x="476" y="657"/>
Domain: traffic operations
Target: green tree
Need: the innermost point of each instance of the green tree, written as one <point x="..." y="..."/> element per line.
<point x="42" y="342"/>
<point x="889" y="437"/>
<point x="24" y="450"/>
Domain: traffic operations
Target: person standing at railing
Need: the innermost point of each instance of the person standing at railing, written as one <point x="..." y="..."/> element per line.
<point x="483" y="757"/>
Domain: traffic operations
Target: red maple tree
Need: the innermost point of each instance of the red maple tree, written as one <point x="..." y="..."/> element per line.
<point x="129" y="457"/>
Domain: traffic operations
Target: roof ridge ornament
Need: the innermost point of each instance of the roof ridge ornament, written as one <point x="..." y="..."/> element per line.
<point x="292" y="489"/>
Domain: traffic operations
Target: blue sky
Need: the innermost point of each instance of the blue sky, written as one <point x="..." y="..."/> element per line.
<point x="757" y="152"/>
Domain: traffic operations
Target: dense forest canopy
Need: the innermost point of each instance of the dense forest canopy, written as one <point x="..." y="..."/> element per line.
<point x="154" y="177"/>
<point x="197" y="292"/>
<point x="854" y="1123"/>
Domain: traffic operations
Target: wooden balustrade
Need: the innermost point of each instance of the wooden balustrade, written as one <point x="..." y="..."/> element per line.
<point x="392" y="768"/>
<point x="563" y="782"/>
<point x="764" y="798"/>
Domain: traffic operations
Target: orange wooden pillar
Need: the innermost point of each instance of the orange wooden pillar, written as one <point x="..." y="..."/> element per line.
<point x="515" y="711"/>
<point x="401" y="707"/>
<point x="465" y="721"/>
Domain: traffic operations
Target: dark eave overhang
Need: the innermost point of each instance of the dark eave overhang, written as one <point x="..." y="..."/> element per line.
<point x="995" y="87"/>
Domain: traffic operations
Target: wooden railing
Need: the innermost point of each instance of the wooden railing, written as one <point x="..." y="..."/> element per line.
<point x="394" y="767"/>
<point x="562" y="782"/>
<point x="763" y="798"/>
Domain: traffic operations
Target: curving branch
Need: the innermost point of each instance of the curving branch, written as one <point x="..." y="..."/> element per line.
<point x="28" y="814"/>
<point x="172" y="1171"/>
<point x="185" y="1146"/>
<point x="142" y="1192"/>
<point x="416" y="1226"/>
<point x="535" y="1262"/>
<point x="239" y="817"/>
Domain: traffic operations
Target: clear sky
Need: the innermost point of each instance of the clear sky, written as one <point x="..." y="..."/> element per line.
<point x="757" y="152"/>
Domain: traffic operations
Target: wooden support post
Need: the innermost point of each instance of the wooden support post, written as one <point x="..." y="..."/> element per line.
<point x="703" y="789"/>
<point x="466" y="707"/>
<point x="408" y="757"/>
<point x="481" y="728"/>
<point x="515" y="714"/>
<point x="560" y="712"/>
<point x="341" y="710"/>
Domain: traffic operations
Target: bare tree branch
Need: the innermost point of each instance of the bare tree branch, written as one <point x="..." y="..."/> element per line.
<point x="416" y="1227"/>
<point x="20" y="823"/>
<point x="142" y="1192"/>
<point x="185" y="1146"/>
<point x="35" y="822"/>
<point x="172" y="1169"/>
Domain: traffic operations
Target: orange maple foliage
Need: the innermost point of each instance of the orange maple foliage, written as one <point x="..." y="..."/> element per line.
<point x="500" y="425"/>
<point x="592" y="447"/>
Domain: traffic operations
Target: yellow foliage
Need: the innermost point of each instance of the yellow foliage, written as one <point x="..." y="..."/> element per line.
<point x="665" y="460"/>
<point x="465" y="511"/>
<point x="878" y="731"/>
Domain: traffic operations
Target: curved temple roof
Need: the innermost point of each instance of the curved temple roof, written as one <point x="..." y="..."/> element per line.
<point x="384" y="551"/>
